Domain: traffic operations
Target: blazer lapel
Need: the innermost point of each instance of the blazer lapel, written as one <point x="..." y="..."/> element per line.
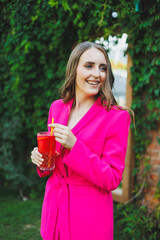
<point x="64" y="116"/>
<point x="63" y="119"/>
<point x="65" y="112"/>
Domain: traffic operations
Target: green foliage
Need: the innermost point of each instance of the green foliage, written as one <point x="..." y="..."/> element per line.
<point x="32" y="66"/>
<point x="136" y="223"/>
<point x="157" y="194"/>
<point x="144" y="49"/>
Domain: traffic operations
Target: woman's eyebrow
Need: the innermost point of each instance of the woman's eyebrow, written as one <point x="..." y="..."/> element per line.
<point x="102" y="64"/>
<point x="90" y="62"/>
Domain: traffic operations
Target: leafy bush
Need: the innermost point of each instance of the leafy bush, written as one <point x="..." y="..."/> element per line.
<point x="136" y="223"/>
<point x="32" y="65"/>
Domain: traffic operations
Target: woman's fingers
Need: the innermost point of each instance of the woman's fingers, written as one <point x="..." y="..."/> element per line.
<point x="37" y="152"/>
<point x="58" y="128"/>
<point x="57" y="154"/>
<point x="63" y="135"/>
<point x="36" y="157"/>
<point x="60" y="131"/>
<point x="60" y="136"/>
<point x="54" y="125"/>
<point x="36" y="162"/>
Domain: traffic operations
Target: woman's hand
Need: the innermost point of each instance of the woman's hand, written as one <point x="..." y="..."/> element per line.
<point x="36" y="157"/>
<point x="63" y="135"/>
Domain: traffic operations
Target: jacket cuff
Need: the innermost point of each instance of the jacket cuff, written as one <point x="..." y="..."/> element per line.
<point x="42" y="173"/>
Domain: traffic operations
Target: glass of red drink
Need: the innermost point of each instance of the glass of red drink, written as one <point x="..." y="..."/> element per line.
<point x="47" y="146"/>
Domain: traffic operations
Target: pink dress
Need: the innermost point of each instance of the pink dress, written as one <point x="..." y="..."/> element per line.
<point x="78" y="202"/>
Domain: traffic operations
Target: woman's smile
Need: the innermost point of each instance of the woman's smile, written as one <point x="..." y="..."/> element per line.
<point x="92" y="82"/>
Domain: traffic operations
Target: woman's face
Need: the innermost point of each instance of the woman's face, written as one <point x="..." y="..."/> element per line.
<point x="91" y="73"/>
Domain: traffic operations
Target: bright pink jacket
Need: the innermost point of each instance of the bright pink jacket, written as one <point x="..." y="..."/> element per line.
<point x="78" y="202"/>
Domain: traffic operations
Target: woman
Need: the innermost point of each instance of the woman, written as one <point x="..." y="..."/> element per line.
<point x="91" y="131"/>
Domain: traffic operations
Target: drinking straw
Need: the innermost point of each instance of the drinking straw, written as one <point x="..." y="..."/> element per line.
<point x="52" y="127"/>
<point x="50" y="151"/>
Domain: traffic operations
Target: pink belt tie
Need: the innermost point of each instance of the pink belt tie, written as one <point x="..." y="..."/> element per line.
<point x="63" y="211"/>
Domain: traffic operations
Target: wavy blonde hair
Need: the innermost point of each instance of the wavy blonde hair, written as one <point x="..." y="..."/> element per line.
<point x="67" y="91"/>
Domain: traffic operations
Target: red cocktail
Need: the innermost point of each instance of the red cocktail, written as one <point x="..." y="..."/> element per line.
<point x="47" y="146"/>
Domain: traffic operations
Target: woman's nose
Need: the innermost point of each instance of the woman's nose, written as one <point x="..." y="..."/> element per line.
<point x="96" y="74"/>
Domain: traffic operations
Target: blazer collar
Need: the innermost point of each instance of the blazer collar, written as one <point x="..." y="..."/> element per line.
<point x="92" y="112"/>
<point x="65" y="112"/>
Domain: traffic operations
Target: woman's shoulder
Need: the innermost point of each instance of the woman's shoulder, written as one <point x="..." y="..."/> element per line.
<point x="120" y="115"/>
<point x="57" y="104"/>
<point x="60" y="102"/>
<point x="116" y="110"/>
<point x="116" y="113"/>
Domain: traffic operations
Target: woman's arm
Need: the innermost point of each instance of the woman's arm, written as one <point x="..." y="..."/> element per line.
<point x="105" y="171"/>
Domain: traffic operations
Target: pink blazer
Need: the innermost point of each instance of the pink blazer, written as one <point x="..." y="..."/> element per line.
<point x="78" y="201"/>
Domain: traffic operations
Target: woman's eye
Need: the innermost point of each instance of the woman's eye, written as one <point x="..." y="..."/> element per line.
<point x="104" y="69"/>
<point x="88" y="66"/>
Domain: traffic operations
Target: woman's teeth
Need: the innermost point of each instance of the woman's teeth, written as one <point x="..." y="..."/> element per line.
<point x="93" y="82"/>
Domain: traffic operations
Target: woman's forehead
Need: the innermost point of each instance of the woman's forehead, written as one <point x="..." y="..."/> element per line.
<point x="93" y="55"/>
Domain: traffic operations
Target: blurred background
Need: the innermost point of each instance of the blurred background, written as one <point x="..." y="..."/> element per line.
<point x="36" y="39"/>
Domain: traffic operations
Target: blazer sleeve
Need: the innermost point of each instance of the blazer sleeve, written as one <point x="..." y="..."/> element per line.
<point x="106" y="170"/>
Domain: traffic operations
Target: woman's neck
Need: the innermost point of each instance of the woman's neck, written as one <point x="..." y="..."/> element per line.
<point x="84" y="104"/>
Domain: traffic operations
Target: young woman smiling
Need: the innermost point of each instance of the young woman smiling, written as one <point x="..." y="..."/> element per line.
<point x="91" y="131"/>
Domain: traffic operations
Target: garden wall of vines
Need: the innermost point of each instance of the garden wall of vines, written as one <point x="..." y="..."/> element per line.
<point x="37" y="37"/>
